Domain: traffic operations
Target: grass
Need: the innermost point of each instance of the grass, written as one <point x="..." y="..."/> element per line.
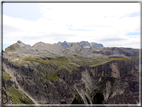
<point x="6" y="75"/>
<point x="18" y="97"/>
<point x="11" y="48"/>
<point x="26" y="100"/>
<point x="55" y="77"/>
<point x="52" y="77"/>
<point x="68" y="62"/>
<point x="40" y="70"/>
<point x="38" y="60"/>
<point x="96" y="62"/>
<point x="41" y="80"/>
<point x="99" y="62"/>
<point x="135" y="58"/>
<point x="120" y="59"/>
<point x="62" y="63"/>
<point x="80" y="50"/>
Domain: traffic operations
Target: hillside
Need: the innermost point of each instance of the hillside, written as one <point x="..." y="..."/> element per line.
<point x="54" y="74"/>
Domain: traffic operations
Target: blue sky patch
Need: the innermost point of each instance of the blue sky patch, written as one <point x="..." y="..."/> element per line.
<point x="133" y="33"/>
<point x="27" y="11"/>
<point x="5" y="46"/>
<point x="134" y="14"/>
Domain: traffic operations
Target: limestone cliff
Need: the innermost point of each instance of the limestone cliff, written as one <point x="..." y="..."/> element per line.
<point x="75" y="76"/>
<point x="111" y="80"/>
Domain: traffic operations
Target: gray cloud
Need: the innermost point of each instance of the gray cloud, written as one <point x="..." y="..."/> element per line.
<point x="10" y="28"/>
<point x="112" y="39"/>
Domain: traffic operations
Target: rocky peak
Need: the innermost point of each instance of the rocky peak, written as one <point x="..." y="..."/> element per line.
<point x="39" y="44"/>
<point x="82" y="43"/>
<point x="19" y="41"/>
<point x="65" y="42"/>
<point x="21" y="44"/>
<point x="50" y="48"/>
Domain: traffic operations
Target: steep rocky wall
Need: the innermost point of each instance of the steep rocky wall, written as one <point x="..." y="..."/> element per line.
<point x="6" y="97"/>
<point x="87" y="83"/>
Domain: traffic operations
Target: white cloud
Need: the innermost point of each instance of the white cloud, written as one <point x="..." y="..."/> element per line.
<point x="66" y="22"/>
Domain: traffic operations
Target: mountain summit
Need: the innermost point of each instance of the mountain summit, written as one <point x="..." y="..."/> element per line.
<point x="84" y="44"/>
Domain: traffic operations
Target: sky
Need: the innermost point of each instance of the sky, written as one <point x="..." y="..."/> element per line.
<point x="112" y="24"/>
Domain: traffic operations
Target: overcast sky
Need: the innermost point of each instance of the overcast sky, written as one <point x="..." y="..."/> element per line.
<point x="112" y="24"/>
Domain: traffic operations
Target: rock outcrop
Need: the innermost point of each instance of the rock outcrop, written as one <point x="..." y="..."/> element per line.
<point x="82" y="76"/>
<point x="84" y="82"/>
<point x="6" y="97"/>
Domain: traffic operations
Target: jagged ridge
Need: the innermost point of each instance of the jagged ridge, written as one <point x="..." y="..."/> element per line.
<point x="84" y="44"/>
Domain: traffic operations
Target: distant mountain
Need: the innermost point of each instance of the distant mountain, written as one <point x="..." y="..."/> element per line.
<point x="84" y="44"/>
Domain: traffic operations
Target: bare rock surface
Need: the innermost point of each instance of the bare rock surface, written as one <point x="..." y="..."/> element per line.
<point x="6" y="97"/>
<point x="53" y="74"/>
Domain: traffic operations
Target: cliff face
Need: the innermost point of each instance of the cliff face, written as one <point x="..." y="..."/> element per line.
<point x="73" y="75"/>
<point x="7" y="99"/>
<point x="115" y="82"/>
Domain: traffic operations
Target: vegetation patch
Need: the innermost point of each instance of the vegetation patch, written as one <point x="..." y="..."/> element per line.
<point x="6" y="75"/>
<point x="26" y="100"/>
<point x="55" y="77"/>
<point x="41" y="80"/>
<point x="57" y="64"/>
<point x="135" y="58"/>
<point x="40" y="70"/>
<point x="52" y="77"/>
<point x="18" y="97"/>
<point x="80" y="50"/>
<point x="11" y="48"/>
<point x="96" y="62"/>
<point x="120" y="59"/>
<point x="68" y="62"/>
<point x="37" y="60"/>
<point x="77" y="99"/>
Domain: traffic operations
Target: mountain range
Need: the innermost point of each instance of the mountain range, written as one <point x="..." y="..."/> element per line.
<point x="54" y="74"/>
<point x="84" y="44"/>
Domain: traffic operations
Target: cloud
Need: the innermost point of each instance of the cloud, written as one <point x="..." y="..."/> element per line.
<point x="112" y="39"/>
<point x="79" y="29"/>
<point x="74" y="22"/>
<point x="134" y="14"/>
